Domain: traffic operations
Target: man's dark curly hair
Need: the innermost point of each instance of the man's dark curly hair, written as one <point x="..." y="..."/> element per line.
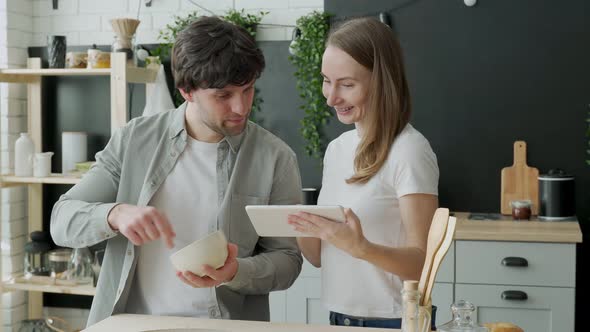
<point x="212" y="53"/>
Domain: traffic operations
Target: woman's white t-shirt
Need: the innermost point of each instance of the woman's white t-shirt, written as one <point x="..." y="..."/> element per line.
<point x="356" y="287"/>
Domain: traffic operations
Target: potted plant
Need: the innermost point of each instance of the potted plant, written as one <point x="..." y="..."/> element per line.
<point x="308" y="49"/>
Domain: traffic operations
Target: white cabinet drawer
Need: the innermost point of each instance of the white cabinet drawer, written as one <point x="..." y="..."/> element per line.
<point x="546" y="309"/>
<point x="442" y="298"/>
<point x="446" y="270"/>
<point x="547" y="264"/>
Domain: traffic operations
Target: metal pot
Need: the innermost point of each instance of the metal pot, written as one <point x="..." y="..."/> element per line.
<point x="557" y="199"/>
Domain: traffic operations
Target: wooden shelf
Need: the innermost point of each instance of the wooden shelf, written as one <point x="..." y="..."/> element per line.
<point x="27" y="75"/>
<point x="56" y="178"/>
<point x="16" y="284"/>
<point x="58" y="72"/>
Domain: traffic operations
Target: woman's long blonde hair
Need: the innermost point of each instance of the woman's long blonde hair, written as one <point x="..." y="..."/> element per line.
<point x="374" y="45"/>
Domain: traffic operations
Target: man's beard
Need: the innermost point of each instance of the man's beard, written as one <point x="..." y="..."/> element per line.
<point x="227" y="131"/>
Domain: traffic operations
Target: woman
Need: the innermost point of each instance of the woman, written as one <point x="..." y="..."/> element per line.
<point x="384" y="170"/>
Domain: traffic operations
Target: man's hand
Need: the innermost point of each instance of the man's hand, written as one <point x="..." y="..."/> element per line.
<point x="141" y="224"/>
<point x="213" y="277"/>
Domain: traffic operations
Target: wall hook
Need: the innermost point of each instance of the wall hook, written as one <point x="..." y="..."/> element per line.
<point x="148" y="3"/>
<point x="54" y="4"/>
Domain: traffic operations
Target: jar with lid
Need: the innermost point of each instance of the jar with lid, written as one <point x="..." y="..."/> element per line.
<point x="521" y="210"/>
<point x="463" y="319"/>
<point x="58" y="262"/>
<point x="36" y="254"/>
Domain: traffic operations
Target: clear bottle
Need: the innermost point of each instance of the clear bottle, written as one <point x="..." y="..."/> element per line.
<point x="24" y="149"/>
<point x="414" y="317"/>
<point x="463" y="319"/>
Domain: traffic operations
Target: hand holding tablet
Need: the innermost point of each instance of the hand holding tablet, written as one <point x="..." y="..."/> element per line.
<point x="271" y="220"/>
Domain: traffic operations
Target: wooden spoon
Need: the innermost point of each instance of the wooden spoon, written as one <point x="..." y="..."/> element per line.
<point x="436" y="234"/>
<point x="438" y="257"/>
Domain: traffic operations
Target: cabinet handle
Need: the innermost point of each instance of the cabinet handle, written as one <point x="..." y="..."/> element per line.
<point x="514" y="295"/>
<point x="515" y="261"/>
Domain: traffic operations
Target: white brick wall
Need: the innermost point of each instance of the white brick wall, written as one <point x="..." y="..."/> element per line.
<point x="16" y="34"/>
<point x="25" y="23"/>
<point x="86" y="22"/>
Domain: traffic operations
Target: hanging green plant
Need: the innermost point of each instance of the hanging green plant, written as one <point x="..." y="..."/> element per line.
<point x="168" y="34"/>
<point x="245" y="20"/>
<point x="308" y="49"/>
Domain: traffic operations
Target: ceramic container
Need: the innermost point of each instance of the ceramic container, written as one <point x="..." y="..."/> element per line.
<point x="210" y="250"/>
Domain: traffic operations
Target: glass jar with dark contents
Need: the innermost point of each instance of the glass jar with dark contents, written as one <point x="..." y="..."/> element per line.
<point x="521" y="210"/>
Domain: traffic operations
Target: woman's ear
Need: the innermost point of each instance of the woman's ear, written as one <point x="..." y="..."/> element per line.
<point x="188" y="96"/>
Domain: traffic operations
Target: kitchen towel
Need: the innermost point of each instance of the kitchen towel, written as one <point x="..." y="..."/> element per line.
<point x="158" y="99"/>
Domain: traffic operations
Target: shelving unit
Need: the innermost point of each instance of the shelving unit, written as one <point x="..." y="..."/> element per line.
<point x="120" y="74"/>
<point x="13" y="284"/>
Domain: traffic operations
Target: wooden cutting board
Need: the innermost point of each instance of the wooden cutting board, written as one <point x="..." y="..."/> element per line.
<point x="519" y="181"/>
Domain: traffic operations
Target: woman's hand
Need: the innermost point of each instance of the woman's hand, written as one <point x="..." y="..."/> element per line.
<point x="347" y="236"/>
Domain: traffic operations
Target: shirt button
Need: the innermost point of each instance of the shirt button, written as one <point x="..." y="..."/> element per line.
<point x="214" y="313"/>
<point x="128" y="252"/>
<point x="173" y="154"/>
<point x="346" y="321"/>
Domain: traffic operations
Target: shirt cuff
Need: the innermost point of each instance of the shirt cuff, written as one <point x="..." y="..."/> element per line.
<point x="246" y="269"/>
<point x="103" y="212"/>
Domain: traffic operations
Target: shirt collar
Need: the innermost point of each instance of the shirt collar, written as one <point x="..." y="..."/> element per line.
<point x="178" y="125"/>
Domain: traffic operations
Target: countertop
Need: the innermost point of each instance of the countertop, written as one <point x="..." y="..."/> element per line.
<point x="506" y="229"/>
<point x="145" y="323"/>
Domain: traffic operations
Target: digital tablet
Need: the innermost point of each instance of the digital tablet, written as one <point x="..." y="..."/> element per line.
<point x="272" y="220"/>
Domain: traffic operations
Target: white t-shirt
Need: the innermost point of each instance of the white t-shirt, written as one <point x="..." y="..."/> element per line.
<point x="188" y="197"/>
<point x="356" y="287"/>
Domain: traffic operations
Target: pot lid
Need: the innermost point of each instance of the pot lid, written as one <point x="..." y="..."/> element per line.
<point x="556" y="174"/>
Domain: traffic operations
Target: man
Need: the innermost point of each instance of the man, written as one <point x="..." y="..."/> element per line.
<point x="179" y="175"/>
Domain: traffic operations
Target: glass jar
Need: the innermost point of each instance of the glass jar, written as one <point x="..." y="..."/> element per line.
<point x="58" y="262"/>
<point x="36" y="255"/>
<point x="521" y="210"/>
<point x="463" y="319"/>
<point x="125" y="44"/>
<point x="80" y="266"/>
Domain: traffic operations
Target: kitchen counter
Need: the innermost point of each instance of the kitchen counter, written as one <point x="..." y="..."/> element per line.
<point x="506" y="229"/>
<point x="145" y="323"/>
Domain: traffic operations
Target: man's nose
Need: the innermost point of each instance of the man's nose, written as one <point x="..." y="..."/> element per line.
<point x="241" y="106"/>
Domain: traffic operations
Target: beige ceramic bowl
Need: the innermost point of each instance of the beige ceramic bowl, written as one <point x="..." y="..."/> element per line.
<point x="210" y="250"/>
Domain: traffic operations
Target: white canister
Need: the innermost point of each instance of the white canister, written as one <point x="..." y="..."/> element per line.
<point x="42" y="164"/>
<point x="73" y="149"/>
<point x="24" y="148"/>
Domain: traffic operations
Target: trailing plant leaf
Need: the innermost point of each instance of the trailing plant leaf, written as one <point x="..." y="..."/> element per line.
<point x="308" y="49"/>
<point x="167" y="36"/>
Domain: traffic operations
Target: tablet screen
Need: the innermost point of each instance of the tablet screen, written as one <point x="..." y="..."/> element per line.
<point x="272" y="220"/>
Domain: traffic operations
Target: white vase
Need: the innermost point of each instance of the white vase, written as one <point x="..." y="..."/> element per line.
<point x="24" y="149"/>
